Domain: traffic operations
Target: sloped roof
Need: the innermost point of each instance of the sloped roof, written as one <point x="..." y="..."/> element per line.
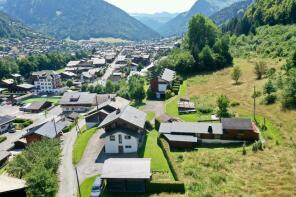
<point x="168" y="75"/>
<point x="11" y="184"/>
<point x="180" y="138"/>
<point x="128" y="168"/>
<point x="49" y="129"/>
<point x="37" y="105"/>
<point x="237" y="124"/>
<point x="128" y="114"/>
<point x="190" y="127"/>
<point x="6" y="119"/>
<point x="82" y="98"/>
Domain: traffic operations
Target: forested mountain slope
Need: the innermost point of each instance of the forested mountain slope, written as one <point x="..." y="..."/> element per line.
<point x="78" y="19"/>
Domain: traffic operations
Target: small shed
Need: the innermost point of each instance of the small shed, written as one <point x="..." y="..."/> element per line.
<point x="38" y="106"/>
<point x="127" y="175"/>
<point x="12" y="187"/>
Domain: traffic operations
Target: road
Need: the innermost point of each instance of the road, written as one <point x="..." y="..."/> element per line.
<point x="37" y="118"/>
<point x="108" y="72"/>
<point x="67" y="176"/>
<point x="88" y="166"/>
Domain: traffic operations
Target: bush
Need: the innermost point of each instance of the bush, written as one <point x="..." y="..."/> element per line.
<point x="169" y="94"/>
<point x="2" y="138"/>
<point x="270" y="99"/>
<point x="20" y="120"/>
<point x="205" y="109"/>
<point x="234" y="104"/>
<point x="27" y="123"/>
<point x="164" y="145"/>
<point x="168" y="187"/>
<point x="68" y="128"/>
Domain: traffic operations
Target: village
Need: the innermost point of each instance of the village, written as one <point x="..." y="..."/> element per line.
<point x="117" y="147"/>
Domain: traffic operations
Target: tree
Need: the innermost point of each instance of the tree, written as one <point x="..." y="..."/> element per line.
<point x="84" y="88"/>
<point x="69" y="83"/>
<point x="109" y="88"/>
<point x="260" y="69"/>
<point x="201" y="32"/>
<point x="136" y="88"/>
<point x="269" y="89"/>
<point x="289" y="90"/>
<point x="223" y="105"/>
<point x="236" y="74"/>
<point x="206" y="58"/>
<point x="291" y="63"/>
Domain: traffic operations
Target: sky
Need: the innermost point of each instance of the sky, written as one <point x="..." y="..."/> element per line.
<point x="153" y="6"/>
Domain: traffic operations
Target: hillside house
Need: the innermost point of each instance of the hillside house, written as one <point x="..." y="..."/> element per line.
<point x="124" y="130"/>
<point x="189" y="134"/>
<point x="160" y="83"/>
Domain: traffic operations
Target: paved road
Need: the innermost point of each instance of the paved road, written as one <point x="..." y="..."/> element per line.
<point x="88" y="166"/>
<point x="67" y="176"/>
<point x="37" y="118"/>
<point x="154" y="106"/>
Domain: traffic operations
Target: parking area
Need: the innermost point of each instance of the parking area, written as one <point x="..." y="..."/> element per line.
<point x="154" y="106"/>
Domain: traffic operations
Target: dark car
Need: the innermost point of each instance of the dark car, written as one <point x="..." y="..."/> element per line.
<point x="97" y="188"/>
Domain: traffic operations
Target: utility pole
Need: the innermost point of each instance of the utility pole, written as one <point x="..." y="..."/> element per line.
<point x="254" y="97"/>
<point x="77" y="181"/>
<point x="55" y="127"/>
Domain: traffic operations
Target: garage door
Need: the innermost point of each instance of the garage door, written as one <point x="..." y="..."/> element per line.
<point x="135" y="186"/>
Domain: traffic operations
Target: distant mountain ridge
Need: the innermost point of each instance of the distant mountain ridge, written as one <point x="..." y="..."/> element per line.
<point x="237" y="9"/>
<point x="178" y="25"/>
<point x="78" y="19"/>
<point x="154" y="21"/>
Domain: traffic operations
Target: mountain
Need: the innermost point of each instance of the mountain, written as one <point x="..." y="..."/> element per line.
<point x="154" y="21"/>
<point x="78" y="19"/>
<point x="235" y="10"/>
<point x="12" y="28"/>
<point x="178" y="25"/>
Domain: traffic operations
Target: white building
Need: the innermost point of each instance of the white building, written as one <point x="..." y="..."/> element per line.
<point x="48" y="82"/>
<point x="124" y="130"/>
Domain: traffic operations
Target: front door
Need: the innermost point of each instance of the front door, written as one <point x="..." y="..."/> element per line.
<point x="120" y="149"/>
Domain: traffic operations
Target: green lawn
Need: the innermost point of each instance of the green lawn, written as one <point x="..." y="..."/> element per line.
<point x="60" y="70"/>
<point x="150" y="116"/>
<point x="86" y="186"/>
<point x="81" y="144"/>
<point x="53" y="99"/>
<point x="159" y="165"/>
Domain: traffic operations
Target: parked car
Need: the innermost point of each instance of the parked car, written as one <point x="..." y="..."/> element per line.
<point x="97" y="188"/>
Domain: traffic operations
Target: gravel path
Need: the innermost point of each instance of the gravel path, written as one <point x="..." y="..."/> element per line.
<point x="154" y="106"/>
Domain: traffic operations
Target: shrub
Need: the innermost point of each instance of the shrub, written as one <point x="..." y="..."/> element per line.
<point x="270" y="99"/>
<point x="234" y="104"/>
<point x="68" y="128"/>
<point x="205" y="109"/>
<point x="164" y="145"/>
<point x="244" y="149"/>
<point x="2" y="138"/>
<point x="20" y="120"/>
<point x="169" y="187"/>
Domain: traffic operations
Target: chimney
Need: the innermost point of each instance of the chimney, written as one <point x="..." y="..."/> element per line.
<point x="117" y="111"/>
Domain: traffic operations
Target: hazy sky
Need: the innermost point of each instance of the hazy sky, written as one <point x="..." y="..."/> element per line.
<point x="152" y="6"/>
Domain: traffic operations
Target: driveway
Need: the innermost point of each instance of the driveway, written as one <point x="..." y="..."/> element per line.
<point x="154" y="106"/>
<point x="88" y="166"/>
<point x="67" y="176"/>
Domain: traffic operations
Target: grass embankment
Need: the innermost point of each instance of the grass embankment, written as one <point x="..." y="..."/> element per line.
<point x="53" y="99"/>
<point x="150" y="116"/>
<point x="226" y="171"/>
<point x="2" y="138"/>
<point x="86" y="186"/>
<point x="81" y="144"/>
<point x="159" y="165"/>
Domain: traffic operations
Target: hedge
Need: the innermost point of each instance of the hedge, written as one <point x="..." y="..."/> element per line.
<point x="2" y="138"/>
<point x="68" y="128"/>
<point x="164" y="145"/>
<point x="168" y="187"/>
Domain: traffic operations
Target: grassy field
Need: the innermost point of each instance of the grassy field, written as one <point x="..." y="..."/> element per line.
<point x="81" y="144"/>
<point x="226" y="171"/>
<point x="53" y="99"/>
<point x="159" y="165"/>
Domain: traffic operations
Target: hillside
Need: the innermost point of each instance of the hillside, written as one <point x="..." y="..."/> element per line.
<point x="178" y="25"/>
<point x="11" y="28"/>
<point x="263" y="12"/>
<point x="76" y="19"/>
<point x="235" y="10"/>
<point x="154" y="21"/>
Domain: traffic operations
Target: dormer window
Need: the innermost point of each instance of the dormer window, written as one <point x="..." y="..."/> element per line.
<point x="74" y="98"/>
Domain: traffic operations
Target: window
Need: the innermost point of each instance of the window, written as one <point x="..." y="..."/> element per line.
<point x="127" y="137"/>
<point x="112" y="138"/>
<point x="128" y="147"/>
